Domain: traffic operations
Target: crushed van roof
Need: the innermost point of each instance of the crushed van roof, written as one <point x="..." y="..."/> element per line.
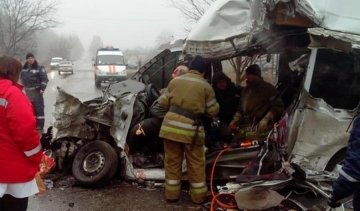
<point x="229" y="26"/>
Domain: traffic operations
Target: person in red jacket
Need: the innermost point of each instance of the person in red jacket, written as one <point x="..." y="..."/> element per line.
<point x="20" y="149"/>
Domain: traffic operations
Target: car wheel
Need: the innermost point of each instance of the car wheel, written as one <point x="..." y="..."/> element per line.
<point x="95" y="163"/>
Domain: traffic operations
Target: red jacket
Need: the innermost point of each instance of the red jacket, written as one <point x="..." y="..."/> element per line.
<point x="20" y="149"/>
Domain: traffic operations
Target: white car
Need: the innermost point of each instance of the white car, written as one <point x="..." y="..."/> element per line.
<point x="65" y="66"/>
<point x="54" y="62"/>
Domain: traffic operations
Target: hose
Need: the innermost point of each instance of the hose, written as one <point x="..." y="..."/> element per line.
<point x="215" y="196"/>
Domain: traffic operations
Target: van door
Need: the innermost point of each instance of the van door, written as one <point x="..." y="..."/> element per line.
<point x="159" y="69"/>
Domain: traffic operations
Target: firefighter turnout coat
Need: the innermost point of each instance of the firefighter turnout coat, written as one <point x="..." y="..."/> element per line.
<point x="192" y="93"/>
<point x="187" y="97"/>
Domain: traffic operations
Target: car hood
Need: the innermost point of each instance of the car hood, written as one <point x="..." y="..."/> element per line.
<point x="114" y="109"/>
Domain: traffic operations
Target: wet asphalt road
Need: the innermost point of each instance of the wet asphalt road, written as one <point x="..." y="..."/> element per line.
<point x="117" y="196"/>
<point x="120" y="195"/>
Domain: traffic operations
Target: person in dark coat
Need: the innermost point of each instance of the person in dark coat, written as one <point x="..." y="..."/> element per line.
<point x="348" y="182"/>
<point x="227" y="95"/>
<point x="144" y="136"/>
<point x="34" y="78"/>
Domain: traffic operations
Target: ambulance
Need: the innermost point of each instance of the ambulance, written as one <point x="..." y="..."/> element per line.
<point x="110" y="66"/>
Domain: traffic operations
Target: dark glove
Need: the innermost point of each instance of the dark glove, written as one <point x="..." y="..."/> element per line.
<point x="333" y="203"/>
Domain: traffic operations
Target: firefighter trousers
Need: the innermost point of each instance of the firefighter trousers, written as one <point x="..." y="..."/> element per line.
<point x="195" y="161"/>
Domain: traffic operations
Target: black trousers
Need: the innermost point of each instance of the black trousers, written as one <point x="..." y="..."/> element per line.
<point x="10" y="203"/>
<point x="37" y="100"/>
<point x="343" y="188"/>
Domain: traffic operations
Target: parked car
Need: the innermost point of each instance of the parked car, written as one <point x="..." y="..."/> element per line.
<point x="54" y="62"/>
<point x="65" y="66"/>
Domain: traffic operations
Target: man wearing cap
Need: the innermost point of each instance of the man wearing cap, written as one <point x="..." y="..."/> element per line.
<point x="260" y="105"/>
<point x="188" y="97"/>
<point x="34" y="79"/>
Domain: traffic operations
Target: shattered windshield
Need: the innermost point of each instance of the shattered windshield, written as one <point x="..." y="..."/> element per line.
<point x="336" y="78"/>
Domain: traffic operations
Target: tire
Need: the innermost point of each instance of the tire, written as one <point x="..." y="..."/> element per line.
<point x="95" y="164"/>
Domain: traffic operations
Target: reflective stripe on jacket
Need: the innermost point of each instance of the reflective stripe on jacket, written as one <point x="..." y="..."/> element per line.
<point x="20" y="149"/>
<point x="194" y="94"/>
<point x="34" y="77"/>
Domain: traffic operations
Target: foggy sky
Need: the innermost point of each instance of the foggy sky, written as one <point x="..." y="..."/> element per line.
<point x="120" y="23"/>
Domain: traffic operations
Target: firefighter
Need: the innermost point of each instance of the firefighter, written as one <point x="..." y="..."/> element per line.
<point x="260" y="104"/>
<point x="179" y="70"/>
<point x="34" y="79"/>
<point x="188" y="98"/>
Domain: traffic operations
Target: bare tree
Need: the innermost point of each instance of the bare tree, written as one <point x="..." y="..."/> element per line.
<point x="239" y="64"/>
<point x="192" y="9"/>
<point x="77" y="48"/>
<point x="96" y="43"/>
<point x="61" y="47"/>
<point x="20" y="19"/>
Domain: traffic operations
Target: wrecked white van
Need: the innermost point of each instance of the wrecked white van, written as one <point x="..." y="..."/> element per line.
<point x="317" y="57"/>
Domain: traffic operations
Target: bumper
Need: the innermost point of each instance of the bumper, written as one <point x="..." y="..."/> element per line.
<point x="111" y="78"/>
<point x="65" y="70"/>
